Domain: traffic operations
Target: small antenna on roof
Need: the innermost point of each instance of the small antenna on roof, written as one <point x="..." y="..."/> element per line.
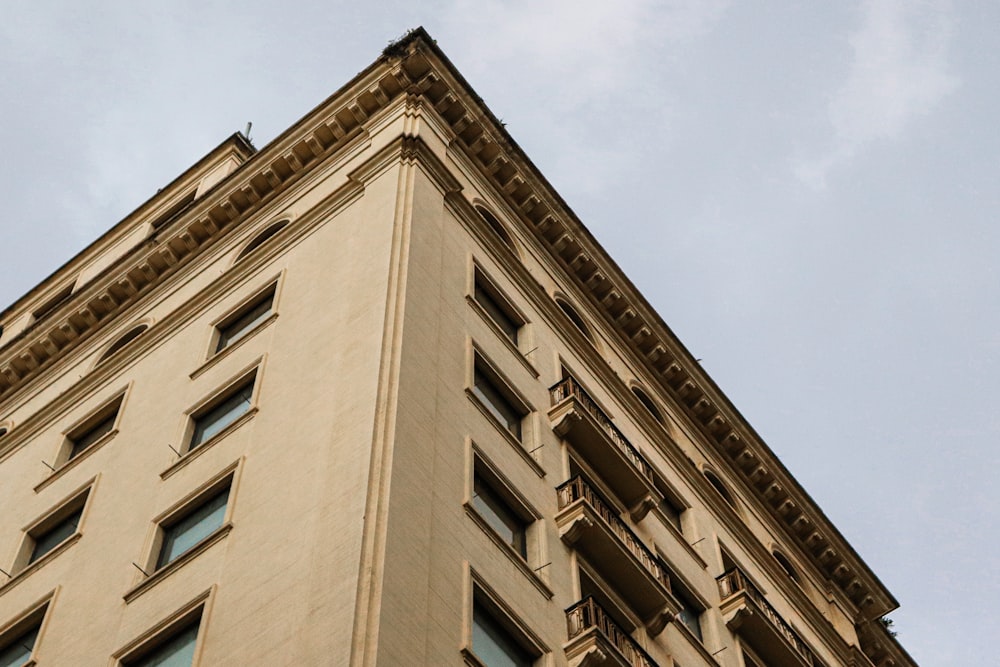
<point x="246" y="132"/>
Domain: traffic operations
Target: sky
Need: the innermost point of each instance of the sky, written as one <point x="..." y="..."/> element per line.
<point x="806" y="192"/>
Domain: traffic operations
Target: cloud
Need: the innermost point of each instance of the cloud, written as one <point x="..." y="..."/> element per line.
<point x="899" y="70"/>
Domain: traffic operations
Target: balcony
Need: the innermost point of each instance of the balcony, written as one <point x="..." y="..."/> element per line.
<point x="589" y="524"/>
<point x="752" y="617"/>
<point x="595" y="639"/>
<point x="578" y="419"/>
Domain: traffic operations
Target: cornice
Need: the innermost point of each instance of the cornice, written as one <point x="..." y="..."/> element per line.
<point x="680" y="378"/>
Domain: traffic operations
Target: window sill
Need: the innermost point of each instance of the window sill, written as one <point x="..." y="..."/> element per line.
<point x="508" y="551"/>
<point x="502" y="336"/>
<point x="192" y="454"/>
<point x="216" y="536"/>
<point x="507" y="435"/>
<point x="22" y="574"/>
<point x="216" y="357"/>
<point x="72" y="463"/>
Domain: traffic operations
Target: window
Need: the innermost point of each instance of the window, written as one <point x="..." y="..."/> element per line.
<point x="497" y="307"/>
<point x="18" y="640"/>
<point x="496" y="227"/>
<point x="54" y="302"/>
<point x="493" y="643"/>
<point x="211" y="420"/>
<point x="575" y="318"/>
<point x="261" y="239"/>
<point x="18" y="650"/>
<point x="93" y="429"/>
<point x="48" y="539"/>
<point x="120" y="344"/>
<point x="786" y="565"/>
<point x="177" y="651"/>
<point x="717" y="484"/>
<point x="647" y="403"/>
<point x="497" y="401"/>
<point x="690" y="613"/>
<point x="242" y="322"/>
<point x="507" y="523"/>
<point x="191" y="527"/>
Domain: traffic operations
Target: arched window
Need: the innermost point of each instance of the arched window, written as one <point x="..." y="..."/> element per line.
<point x="575" y="318"/>
<point x="647" y="402"/>
<point x="785" y="564"/>
<point x="717" y="484"/>
<point x="125" y="339"/>
<point x="261" y="239"/>
<point x="3" y="431"/>
<point x="497" y="228"/>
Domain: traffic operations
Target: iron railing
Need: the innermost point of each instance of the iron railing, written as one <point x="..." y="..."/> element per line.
<point x="577" y="489"/>
<point x="588" y="614"/>
<point x="734" y="582"/>
<point x="570" y="387"/>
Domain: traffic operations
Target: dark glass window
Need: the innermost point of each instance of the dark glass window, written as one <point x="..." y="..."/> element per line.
<point x="47" y="540"/>
<point x="501" y="518"/>
<point x="238" y="326"/>
<point x="192" y="528"/>
<point x="690" y="612"/>
<point x="177" y="651"/>
<point x="487" y="297"/>
<point x="90" y="433"/>
<point x="218" y="417"/>
<point x="497" y="403"/>
<point x="120" y="344"/>
<point x="493" y="644"/>
<point x="18" y="651"/>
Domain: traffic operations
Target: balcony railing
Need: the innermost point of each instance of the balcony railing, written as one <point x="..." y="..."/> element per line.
<point x="577" y="489"/>
<point x="569" y="387"/>
<point x="588" y="614"/>
<point x="735" y="582"/>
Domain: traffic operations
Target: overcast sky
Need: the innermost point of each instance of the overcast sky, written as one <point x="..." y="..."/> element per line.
<point x="806" y="192"/>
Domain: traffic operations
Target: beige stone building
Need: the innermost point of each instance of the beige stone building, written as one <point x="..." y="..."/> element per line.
<point x="373" y="395"/>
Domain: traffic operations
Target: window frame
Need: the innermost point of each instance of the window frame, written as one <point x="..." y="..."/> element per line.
<point x="268" y="292"/>
<point x="251" y="377"/>
<point x="70" y="450"/>
<point x="482" y="367"/>
<point x="480" y="595"/>
<point x="483" y="284"/>
<point x="34" y="618"/>
<point x="222" y="483"/>
<point x="78" y="502"/>
<point x="194" y="613"/>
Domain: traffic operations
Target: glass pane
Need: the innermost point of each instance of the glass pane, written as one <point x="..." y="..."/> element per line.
<point x="193" y="528"/>
<point x="178" y="652"/>
<point x="54" y="536"/>
<point x="221" y="416"/>
<point x="493" y="645"/>
<point x="93" y="434"/>
<point x="497" y="404"/>
<point x="500" y="517"/>
<point x="497" y="313"/>
<point x="243" y="324"/>
<point x="18" y="651"/>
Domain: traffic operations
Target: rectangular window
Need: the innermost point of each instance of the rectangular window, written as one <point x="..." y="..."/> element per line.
<point x="690" y="613"/>
<point x="95" y="428"/>
<point x="51" y="537"/>
<point x="213" y="419"/>
<point x="176" y="651"/>
<point x="246" y="319"/>
<point x="499" y="403"/>
<point x="16" y="649"/>
<point x="494" y="644"/>
<point x="497" y="307"/>
<point x="191" y="527"/>
<point x="498" y="514"/>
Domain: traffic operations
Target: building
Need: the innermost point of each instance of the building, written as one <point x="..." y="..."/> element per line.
<point x="372" y="395"/>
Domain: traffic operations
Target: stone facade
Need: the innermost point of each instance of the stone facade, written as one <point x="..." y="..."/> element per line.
<point x="372" y="395"/>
